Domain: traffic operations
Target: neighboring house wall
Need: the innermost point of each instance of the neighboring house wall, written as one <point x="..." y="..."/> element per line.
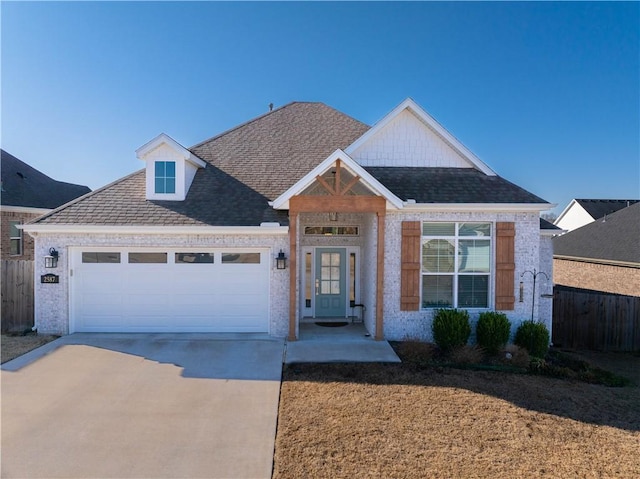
<point x="52" y="307"/>
<point x="574" y="218"/>
<point x="27" y="241"/>
<point x="597" y="277"/>
<point x="399" y="325"/>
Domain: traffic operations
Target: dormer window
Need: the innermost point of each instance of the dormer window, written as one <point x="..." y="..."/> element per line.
<point x="165" y="177"/>
<point x="170" y="169"/>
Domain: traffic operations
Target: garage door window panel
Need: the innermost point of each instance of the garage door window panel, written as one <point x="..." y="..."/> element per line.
<point x="194" y="258"/>
<point x="147" y="258"/>
<point x="100" y="257"/>
<point x="241" y="258"/>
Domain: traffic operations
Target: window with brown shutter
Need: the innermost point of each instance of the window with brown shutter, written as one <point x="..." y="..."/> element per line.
<point x="505" y="266"/>
<point x="410" y="268"/>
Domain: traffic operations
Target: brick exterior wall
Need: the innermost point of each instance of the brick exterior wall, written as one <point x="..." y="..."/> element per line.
<point x="52" y="301"/>
<point x="27" y="241"/>
<point x="598" y="277"/>
<point x="399" y="325"/>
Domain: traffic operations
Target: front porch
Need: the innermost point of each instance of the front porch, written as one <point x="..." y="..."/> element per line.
<point x="336" y="239"/>
<point x="350" y="343"/>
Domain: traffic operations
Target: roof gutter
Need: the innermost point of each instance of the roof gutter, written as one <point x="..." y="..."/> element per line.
<point x="478" y="207"/>
<point x="610" y="262"/>
<point x="266" y="229"/>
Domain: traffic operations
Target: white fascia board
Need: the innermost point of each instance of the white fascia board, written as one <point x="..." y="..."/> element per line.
<point x="166" y="139"/>
<point x="282" y="201"/>
<point x="475" y="207"/>
<point x="25" y="209"/>
<point x="432" y="123"/>
<point x="36" y="229"/>
<point x="547" y="232"/>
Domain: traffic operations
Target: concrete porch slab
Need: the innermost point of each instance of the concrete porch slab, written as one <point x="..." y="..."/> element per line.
<point x="350" y="343"/>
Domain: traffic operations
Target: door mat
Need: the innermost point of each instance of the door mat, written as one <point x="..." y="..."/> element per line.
<point x="332" y="324"/>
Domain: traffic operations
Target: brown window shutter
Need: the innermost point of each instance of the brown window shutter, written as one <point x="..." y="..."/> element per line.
<point x="505" y="266"/>
<point x="410" y="269"/>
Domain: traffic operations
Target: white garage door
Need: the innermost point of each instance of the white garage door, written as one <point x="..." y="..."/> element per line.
<point x="135" y="290"/>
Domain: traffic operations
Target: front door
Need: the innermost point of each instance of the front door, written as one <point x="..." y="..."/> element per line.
<point x="330" y="283"/>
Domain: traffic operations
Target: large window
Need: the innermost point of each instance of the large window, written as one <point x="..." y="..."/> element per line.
<point x="456" y="265"/>
<point x="15" y="237"/>
<point x="165" y="176"/>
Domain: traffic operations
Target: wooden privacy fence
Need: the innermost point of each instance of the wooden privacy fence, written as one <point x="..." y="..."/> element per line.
<point x="584" y="319"/>
<point x="17" y="295"/>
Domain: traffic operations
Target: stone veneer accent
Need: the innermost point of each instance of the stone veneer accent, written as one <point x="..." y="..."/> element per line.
<point x="52" y="300"/>
<point x="598" y="277"/>
<point x="399" y="325"/>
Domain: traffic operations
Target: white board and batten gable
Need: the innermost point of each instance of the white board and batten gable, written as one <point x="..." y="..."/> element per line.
<point x="408" y="136"/>
<point x="169" y="164"/>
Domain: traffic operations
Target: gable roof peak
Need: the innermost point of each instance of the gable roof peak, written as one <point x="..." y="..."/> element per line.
<point x="411" y="106"/>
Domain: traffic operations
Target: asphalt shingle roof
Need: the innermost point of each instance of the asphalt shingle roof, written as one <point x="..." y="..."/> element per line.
<point x="254" y="163"/>
<point x="614" y="238"/>
<point x="23" y="185"/>
<point x="598" y="208"/>
<point x="450" y="185"/>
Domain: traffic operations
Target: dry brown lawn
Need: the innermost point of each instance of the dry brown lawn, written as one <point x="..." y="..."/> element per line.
<point x="393" y="421"/>
<point x="14" y="346"/>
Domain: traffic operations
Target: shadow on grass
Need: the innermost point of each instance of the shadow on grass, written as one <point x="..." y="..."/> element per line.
<point x="587" y="403"/>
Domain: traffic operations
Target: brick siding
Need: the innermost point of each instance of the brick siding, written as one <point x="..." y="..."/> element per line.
<point x="27" y="241"/>
<point x="598" y="277"/>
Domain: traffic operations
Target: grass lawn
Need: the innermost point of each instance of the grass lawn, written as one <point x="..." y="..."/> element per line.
<point x="14" y="346"/>
<point x="398" y="421"/>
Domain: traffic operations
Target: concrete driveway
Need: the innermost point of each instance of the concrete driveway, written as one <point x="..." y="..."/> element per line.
<point x="142" y="406"/>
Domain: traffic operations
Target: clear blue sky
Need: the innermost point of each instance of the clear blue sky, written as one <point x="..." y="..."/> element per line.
<point x="547" y="94"/>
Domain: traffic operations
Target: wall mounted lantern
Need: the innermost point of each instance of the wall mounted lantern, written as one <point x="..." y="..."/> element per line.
<point x="51" y="260"/>
<point x="281" y="260"/>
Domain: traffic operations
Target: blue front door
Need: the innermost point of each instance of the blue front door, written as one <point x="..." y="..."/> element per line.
<point x="330" y="283"/>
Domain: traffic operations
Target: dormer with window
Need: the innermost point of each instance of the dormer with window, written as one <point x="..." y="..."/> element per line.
<point x="170" y="168"/>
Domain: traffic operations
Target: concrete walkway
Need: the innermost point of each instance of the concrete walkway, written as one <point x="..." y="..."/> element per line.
<point x="142" y="406"/>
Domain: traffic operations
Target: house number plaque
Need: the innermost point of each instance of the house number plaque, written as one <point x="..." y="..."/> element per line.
<point x="50" y="278"/>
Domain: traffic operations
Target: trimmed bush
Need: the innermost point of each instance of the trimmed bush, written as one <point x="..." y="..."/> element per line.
<point x="492" y="331"/>
<point x="534" y="337"/>
<point x="450" y="328"/>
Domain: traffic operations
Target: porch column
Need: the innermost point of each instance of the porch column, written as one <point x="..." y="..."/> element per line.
<point x="293" y="273"/>
<point x="380" y="277"/>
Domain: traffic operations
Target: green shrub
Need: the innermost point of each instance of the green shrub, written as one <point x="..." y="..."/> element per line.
<point x="492" y="331"/>
<point x="534" y="337"/>
<point x="450" y="328"/>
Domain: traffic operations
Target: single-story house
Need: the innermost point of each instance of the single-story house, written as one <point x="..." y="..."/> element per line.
<point x="299" y="214"/>
<point x="26" y="194"/>
<point x="582" y="211"/>
<point x="603" y="255"/>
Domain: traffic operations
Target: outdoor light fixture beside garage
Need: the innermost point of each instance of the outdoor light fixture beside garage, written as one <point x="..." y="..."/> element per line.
<point x="281" y="260"/>
<point x="51" y="260"/>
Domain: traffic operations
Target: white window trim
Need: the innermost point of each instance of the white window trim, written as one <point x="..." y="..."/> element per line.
<point x="456" y="274"/>
<point x="20" y="238"/>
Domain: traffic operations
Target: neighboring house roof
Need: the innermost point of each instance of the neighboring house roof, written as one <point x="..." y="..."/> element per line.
<point x="25" y="186"/>
<point x="614" y="239"/>
<point x="598" y="208"/>
<point x="450" y="185"/>
<point x="253" y="164"/>
<point x="547" y="225"/>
